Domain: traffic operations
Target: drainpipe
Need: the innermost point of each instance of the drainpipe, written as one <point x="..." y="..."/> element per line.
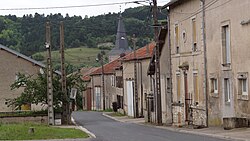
<point x="205" y="58"/>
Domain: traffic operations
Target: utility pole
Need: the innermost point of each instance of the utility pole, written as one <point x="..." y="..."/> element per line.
<point x="100" y="59"/>
<point x="65" y="104"/>
<point x="205" y="58"/>
<point x="157" y="65"/>
<point x="49" y="77"/>
<point x="135" y="78"/>
<point x="103" y="86"/>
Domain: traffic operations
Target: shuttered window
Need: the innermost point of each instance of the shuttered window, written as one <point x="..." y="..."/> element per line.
<point x="194" y="35"/>
<point x="196" y="90"/>
<point x="178" y="79"/>
<point x="177" y="39"/>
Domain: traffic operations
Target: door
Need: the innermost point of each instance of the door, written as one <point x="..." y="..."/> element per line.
<point x="89" y="99"/>
<point x="187" y="98"/>
<point x="98" y="98"/>
<point x="130" y="101"/>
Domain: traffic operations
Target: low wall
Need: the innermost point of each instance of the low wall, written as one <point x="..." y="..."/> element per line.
<point x="230" y="123"/>
<point x="35" y="119"/>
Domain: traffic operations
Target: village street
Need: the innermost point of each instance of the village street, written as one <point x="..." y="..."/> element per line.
<point x="106" y="129"/>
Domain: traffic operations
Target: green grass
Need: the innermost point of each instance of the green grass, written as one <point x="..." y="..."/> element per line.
<point x="75" y="56"/>
<point x="42" y="132"/>
<point x="116" y="114"/>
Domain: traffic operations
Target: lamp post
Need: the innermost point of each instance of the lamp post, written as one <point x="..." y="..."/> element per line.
<point x="100" y="59"/>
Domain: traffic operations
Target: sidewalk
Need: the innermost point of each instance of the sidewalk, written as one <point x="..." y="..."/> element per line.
<point x="239" y="134"/>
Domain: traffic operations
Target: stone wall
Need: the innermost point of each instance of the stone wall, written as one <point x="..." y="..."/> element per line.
<point x="35" y="119"/>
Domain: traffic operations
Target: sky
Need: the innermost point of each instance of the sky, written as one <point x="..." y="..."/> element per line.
<point x="8" y="7"/>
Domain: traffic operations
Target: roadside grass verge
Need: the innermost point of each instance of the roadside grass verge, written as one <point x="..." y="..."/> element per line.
<point x="41" y="132"/>
<point x="116" y="114"/>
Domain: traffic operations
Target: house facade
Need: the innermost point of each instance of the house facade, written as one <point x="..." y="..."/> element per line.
<point x="134" y="65"/>
<point x="165" y="76"/>
<point x="12" y="63"/>
<point x="108" y="88"/>
<point x="227" y="35"/>
<point x="209" y="57"/>
<point x="87" y="93"/>
<point x="187" y="53"/>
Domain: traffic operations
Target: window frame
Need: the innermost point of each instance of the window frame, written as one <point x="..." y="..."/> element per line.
<point x="194" y="34"/>
<point x="214" y="85"/>
<point x="177" y="38"/>
<point x="226" y="44"/>
<point x="227" y="90"/>
<point x="241" y="78"/>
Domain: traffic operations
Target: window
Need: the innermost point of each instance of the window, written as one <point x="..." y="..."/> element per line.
<point x="227" y="92"/>
<point x="196" y="90"/>
<point x="226" y="55"/>
<point x="119" y="81"/>
<point x="214" y="85"/>
<point x="152" y="105"/>
<point x="194" y="35"/>
<point x="113" y="80"/>
<point x="168" y="83"/>
<point x="178" y="80"/>
<point x="176" y="31"/>
<point x="242" y="86"/>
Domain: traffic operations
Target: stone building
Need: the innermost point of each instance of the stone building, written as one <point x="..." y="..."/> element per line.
<point x="211" y="88"/>
<point x="227" y="35"/>
<point x="12" y="63"/>
<point x="135" y="90"/>
<point x="187" y="53"/>
<point x="109" y="88"/>
<point x="165" y="76"/>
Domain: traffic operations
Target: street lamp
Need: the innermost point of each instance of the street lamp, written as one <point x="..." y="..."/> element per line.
<point x="100" y="59"/>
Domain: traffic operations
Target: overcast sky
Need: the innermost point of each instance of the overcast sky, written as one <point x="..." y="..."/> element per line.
<point x="90" y="11"/>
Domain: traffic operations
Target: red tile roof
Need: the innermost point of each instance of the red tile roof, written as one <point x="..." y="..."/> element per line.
<point x="141" y="53"/>
<point x="86" y="73"/>
<point x="108" y="68"/>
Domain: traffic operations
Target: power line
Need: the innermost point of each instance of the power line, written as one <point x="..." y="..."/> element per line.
<point x="73" y="6"/>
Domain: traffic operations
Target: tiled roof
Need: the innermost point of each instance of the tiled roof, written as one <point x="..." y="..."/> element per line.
<point x="108" y="68"/>
<point x="86" y="73"/>
<point x="141" y="53"/>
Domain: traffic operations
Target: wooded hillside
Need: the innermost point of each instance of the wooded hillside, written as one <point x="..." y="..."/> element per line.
<point x="27" y="34"/>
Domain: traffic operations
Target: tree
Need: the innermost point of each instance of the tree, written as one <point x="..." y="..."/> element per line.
<point x="35" y="89"/>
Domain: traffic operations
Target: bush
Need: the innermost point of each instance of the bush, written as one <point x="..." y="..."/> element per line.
<point x="38" y="57"/>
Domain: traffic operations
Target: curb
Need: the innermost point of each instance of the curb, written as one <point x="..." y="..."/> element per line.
<point x="181" y="130"/>
<point x="83" y="129"/>
<point x="104" y="114"/>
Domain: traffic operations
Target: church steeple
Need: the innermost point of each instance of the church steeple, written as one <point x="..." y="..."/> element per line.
<point x="121" y="38"/>
<point x="121" y="43"/>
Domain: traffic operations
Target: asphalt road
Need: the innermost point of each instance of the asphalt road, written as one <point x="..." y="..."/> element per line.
<point x="106" y="129"/>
